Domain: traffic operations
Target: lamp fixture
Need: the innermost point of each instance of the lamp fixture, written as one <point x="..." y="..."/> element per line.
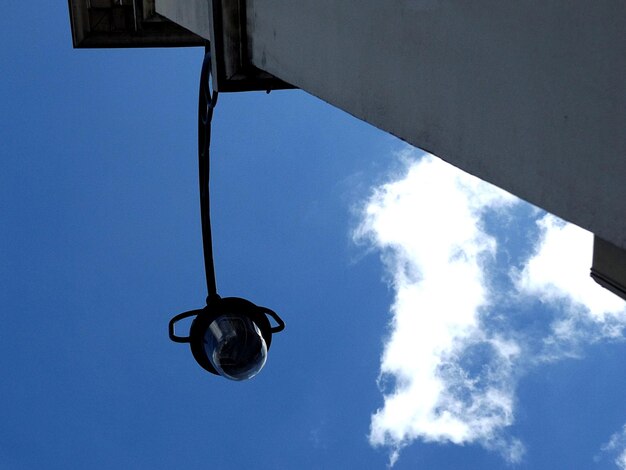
<point x="230" y="336"/>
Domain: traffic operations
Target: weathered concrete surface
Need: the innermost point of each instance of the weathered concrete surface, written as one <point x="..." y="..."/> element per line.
<point x="527" y="94"/>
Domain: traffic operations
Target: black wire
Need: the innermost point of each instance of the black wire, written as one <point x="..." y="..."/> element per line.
<point x="206" y="102"/>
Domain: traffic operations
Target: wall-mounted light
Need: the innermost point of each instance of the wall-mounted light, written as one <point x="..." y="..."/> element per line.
<point x="230" y="336"/>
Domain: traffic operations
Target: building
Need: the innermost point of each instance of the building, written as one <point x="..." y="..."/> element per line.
<point x="529" y="96"/>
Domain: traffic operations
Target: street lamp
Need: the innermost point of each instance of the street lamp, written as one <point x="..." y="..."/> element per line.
<point x="230" y="336"/>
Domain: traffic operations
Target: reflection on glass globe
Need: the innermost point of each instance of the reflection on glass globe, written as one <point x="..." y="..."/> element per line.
<point x="235" y="347"/>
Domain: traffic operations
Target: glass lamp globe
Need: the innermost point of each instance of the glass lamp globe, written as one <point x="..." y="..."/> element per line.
<point x="235" y="346"/>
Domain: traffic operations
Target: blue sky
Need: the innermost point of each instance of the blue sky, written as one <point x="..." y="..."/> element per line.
<point x="404" y="285"/>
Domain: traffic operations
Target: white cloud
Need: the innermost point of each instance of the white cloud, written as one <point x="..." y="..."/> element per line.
<point x="451" y="361"/>
<point x="558" y="274"/>
<point x="560" y="270"/>
<point x="428" y="226"/>
<point x="617" y="444"/>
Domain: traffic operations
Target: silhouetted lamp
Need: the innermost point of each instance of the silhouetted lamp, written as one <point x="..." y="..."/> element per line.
<point x="230" y="336"/>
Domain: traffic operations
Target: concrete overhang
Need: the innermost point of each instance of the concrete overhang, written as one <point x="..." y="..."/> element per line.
<point x="175" y="23"/>
<point x="609" y="266"/>
<point x="125" y="23"/>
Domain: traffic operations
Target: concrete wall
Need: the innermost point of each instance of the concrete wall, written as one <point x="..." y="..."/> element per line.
<point x="527" y="94"/>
